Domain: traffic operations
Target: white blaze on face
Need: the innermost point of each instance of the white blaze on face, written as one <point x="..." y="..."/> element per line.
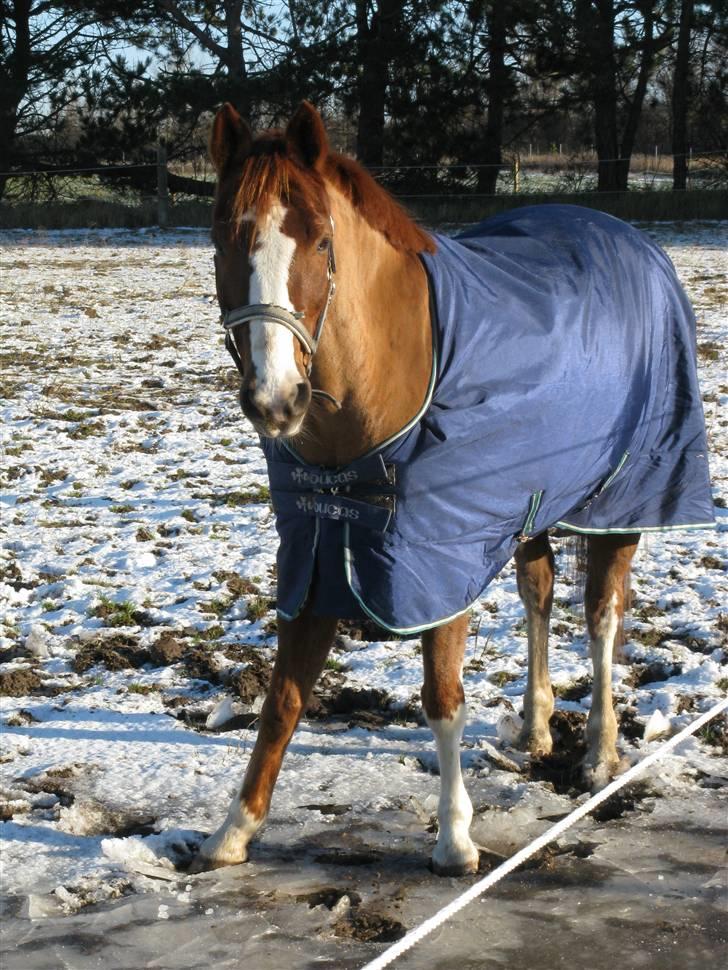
<point x="271" y="345"/>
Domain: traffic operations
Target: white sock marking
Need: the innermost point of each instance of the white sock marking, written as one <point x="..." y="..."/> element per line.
<point x="229" y="844"/>
<point x="455" y="811"/>
<point x="601" y="724"/>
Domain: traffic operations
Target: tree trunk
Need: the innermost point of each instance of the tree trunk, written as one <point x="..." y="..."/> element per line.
<point x="635" y="107"/>
<point x="497" y="87"/>
<point x="595" y="24"/>
<point x="14" y="86"/>
<point x="375" y="46"/>
<point x="236" y="70"/>
<point x="680" y="97"/>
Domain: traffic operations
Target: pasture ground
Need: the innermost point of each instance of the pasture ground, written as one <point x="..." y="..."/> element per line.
<point x="138" y="586"/>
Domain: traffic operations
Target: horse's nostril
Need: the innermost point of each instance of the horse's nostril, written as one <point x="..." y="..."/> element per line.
<point x="303" y="396"/>
<point x="247" y="402"/>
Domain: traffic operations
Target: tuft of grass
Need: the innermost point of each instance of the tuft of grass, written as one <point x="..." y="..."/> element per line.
<point x="218" y="606"/>
<point x="238" y="585"/>
<point x="115" y="614"/>
<point x="502" y="677"/>
<point x="252" y="496"/>
<point x="122" y="509"/>
<point x="87" y="429"/>
<point x="258" y="606"/>
<point x="333" y="664"/>
<point x="213" y="632"/>
<point x="143" y="688"/>
<point x="709" y="350"/>
<point x="50" y="475"/>
<point x="711" y="562"/>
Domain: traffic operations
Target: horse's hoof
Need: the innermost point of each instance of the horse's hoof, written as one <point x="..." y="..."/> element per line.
<point x="468" y="868"/>
<point x="598" y="775"/>
<point x="217" y="852"/>
<point x="203" y="863"/>
<point x="456" y="861"/>
<point x="539" y="744"/>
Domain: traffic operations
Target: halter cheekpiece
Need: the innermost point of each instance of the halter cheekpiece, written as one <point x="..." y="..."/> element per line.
<point x="290" y="319"/>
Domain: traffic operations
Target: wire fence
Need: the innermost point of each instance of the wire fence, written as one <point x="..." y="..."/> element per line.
<point x="156" y="187"/>
<point x="551" y="173"/>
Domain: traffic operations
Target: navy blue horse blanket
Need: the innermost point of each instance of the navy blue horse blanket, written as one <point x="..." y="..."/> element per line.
<point x="563" y="393"/>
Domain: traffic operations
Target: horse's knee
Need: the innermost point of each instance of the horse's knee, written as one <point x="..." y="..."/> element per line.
<point x="282" y="708"/>
<point x="535" y="574"/>
<point x="443" y="698"/>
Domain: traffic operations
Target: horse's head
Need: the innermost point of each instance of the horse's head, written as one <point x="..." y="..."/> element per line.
<point x="274" y="262"/>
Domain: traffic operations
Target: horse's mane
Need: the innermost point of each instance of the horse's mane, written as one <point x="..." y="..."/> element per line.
<point x="269" y="174"/>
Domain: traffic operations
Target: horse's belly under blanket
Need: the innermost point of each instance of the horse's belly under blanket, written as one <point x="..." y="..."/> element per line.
<point x="564" y="393"/>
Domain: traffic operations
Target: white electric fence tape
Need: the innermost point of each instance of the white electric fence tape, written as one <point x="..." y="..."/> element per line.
<point x="478" y="888"/>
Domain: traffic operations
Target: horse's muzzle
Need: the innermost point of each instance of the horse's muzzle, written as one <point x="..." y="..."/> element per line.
<point x="279" y="416"/>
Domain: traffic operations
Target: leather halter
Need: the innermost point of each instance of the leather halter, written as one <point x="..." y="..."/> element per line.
<point x="291" y="320"/>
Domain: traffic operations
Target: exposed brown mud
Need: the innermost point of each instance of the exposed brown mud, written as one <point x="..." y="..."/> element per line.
<point x="19" y="682"/>
<point x="627" y="799"/>
<point x="58" y="782"/>
<point x="119" y="652"/>
<point x="652" y="673"/>
<point x="368" y="925"/>
<point x="329" y="897"/>
<point x="166" y="650"/>
<point x="253" y="680"/>
<point x="561" y="769"/>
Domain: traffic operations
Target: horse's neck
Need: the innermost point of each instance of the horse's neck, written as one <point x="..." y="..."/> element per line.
<point x="376" y="351"/>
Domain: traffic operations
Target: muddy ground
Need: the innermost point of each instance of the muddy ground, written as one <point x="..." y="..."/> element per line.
<point x="137" y="630"/>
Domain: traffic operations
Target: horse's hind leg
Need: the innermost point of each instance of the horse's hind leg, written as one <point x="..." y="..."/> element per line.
<point x="444" y="703"/>
<point x="303" y="645"/>
<point x="535" y="575"/>
<point x="609" y="559"/>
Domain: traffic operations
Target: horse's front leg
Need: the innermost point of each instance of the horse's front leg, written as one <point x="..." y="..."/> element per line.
<point x="535" y="575"/>
<point x="444" y="703"/>
<point x="303" y="645"/>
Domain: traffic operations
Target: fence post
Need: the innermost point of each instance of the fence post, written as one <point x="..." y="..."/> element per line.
<point x="516" y="173"/>
<point x="162" y="190"/>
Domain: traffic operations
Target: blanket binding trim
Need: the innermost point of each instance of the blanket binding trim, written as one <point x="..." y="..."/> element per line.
<point x="402" y="630"/>
<point x="534" y="503"/>
<point x="610" y="478"/>
<point x="634" y="528"/>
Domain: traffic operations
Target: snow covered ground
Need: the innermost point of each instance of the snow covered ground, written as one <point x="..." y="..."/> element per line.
<point x="138" y="626"/>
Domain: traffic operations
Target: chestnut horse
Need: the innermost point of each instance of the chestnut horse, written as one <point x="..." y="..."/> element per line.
<point x="282" y="200"/>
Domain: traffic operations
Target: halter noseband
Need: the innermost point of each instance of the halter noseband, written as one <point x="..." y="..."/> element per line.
<point x="291" y="320"/>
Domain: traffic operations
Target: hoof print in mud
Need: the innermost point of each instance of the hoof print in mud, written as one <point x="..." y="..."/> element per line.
<point x="367" y="925"/>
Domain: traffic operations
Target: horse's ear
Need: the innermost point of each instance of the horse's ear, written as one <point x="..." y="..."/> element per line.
<point x="306" y="136"/>
<point x="230" y="138"/>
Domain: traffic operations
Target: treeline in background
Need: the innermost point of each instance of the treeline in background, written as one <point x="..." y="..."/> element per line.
<point x="436" y="97"/>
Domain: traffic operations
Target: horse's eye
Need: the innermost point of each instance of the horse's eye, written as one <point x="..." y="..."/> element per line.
<point x="323" y="245"/>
